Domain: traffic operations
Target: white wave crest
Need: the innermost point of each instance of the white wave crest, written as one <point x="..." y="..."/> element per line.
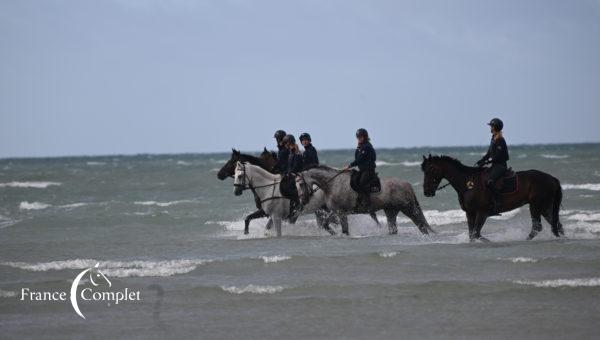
<point x="586" y="186"/>
<point x="184" y="163"/>
<point x="253" y="289"/>
<point x="274" y="258"/>
<point x="37" y="185"/>
<point x="384" y="163"/>
<point x="587" y="282"/>
<point x="553" y="156"/>
<point x="6" y="221"/>
<point x="117" y="268"/>
<point x="161" y="204"/>
<point x="388" y="254"/>
<point x="518" y="259"/>
<point x="33" y="205"/>
<point x="95" y="163"/>
<point x="411" y="163"/>
<point x="7" y="293"/>
<point x="585" y="216"/>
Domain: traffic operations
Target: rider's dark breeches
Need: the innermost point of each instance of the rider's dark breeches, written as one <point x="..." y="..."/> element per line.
<point x="364" y="180"/>
<point x="496" y="171"/>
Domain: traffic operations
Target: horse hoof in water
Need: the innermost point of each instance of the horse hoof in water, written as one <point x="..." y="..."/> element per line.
<point x="531" y="235"/>
<point x="480" y="239"/>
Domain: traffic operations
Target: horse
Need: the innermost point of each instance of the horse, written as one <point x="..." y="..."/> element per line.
<point x="266" y="189"/>
<point x="395" y="196"/>
<point x="541" y="190"/>
<point x="228" y="170"/>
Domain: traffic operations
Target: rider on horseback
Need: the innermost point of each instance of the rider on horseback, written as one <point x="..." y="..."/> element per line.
<point x="364" y="159"/>
<point x="497" y="156"/>
<point x="309" y="156"/>
<point x="294" y="165"/>
<point x="282" y="153"/>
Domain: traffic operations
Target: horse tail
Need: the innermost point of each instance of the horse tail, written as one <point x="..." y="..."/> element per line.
<point x="423" y="224"/>
<point x="558" y="195"/>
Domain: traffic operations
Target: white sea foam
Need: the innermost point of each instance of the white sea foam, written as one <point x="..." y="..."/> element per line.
<point x="161" y="204"/>
<point x="585" y="216"/>
<point x="117" y="268"/>
<point x="6" y="222"/>
<point x="253" y="289"/>
<point x="586" y="282"/>
<point x="74" y="205"/>
<point x="37" y="185"/>
<point x="518" y="259"/>
<point x="436" y="217"/>
<point x="388" y="254"/>
<point x="384" y="163"/>
<point x="95" y="163"/>
<point x="411" y="163"/>
<point x="7" y="293"/>
<point x="585" y="186"/>
<point x="33" y="205"/>
<point x="553" y="156"/>
<point x="274" y="258"/>
<point x="183" y="163"/>
<point x="521" y="156"/>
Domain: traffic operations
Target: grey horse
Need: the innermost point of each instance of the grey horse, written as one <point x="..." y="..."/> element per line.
<point x="395" y="196"/>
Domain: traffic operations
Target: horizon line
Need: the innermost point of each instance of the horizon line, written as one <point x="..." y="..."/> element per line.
<point x="322" y="150"/>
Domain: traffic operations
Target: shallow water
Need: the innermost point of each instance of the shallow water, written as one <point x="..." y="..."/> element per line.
<point x="165" y="225"/>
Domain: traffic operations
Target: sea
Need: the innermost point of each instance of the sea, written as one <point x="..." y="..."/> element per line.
<point x="166" y="227"/>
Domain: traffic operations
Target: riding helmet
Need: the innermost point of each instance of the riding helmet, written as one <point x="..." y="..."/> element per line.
<point x="279" y="134"/>
<point x="304" y="136"/>
<point x="497" y="124"/>
<point x="362" y="132"/>
<point x="289" y="139"/>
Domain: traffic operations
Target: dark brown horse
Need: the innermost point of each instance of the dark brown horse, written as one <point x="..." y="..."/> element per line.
<point x="541" y="190"/>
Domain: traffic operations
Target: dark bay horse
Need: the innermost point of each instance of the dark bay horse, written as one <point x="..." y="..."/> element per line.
<point x="541" y="190"/>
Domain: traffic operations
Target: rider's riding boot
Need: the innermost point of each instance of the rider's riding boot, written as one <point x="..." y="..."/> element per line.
<point x="496" y="206"/>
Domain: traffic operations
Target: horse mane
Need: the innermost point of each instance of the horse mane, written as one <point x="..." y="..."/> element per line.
<point x="452" y="161"/>
<point x="251" y="159"/>
<point x="262" y="171"/>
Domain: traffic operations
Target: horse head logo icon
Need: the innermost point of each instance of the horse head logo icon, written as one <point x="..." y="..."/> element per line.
<point x="95" y="276"/>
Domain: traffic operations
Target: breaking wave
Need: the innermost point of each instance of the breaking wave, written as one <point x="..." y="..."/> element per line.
<point x="37" y="185"/>
<point x="161" y="204"/>
<point x="518" y="259"/>
<point x="253" y="289"/>
<point x="274" y="258"/>
<point x="553" y="156"/>
<point x="586" y="186"/>
<point x="117" y="268"/>
<point x="33" y="205"/>
<point x="388" y="254"/>
<point x="589" y="282"/>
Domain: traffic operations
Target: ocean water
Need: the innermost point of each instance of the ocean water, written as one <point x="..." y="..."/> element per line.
<point x="166" y="226"/>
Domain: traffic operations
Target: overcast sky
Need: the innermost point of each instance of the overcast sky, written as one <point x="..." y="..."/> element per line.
<point x="148" y="76"/>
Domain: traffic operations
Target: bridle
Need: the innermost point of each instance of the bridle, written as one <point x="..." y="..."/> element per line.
<point x="309" y="188"/>
<point x="249" y="186"/>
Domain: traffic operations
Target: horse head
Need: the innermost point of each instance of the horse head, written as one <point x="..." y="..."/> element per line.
<point x="228" y="168"/>
<point x="304" y="188"/>
<point x="433" y="175"/>
<point x="239" y="178"/>
<point x="269" y="158"/>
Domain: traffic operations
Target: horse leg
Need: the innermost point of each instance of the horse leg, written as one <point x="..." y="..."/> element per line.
<point x="479" y="222"/>
<point x="277" y="223"/>
<point x="344" y="223"/>
<point x="391" y="220"/>
<point x="557" y="228"/>
<point x="414" y="212"/>
<point x="269" y="224"/>
<point x="257" y="214"/>
<point x="471" y="222"/>
<point x="536" y="221"/>
<point x="374" y="217"/>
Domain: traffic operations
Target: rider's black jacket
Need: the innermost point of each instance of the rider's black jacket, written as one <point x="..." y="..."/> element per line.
<point x="282" y="159"/>
<point x="497" y="152"/>
<point x="364" y="157"/>
<point x="294" y="162"/>
<point x="309" y="156"/>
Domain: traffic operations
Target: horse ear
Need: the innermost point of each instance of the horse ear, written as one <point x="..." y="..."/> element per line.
<point x="429" y="156"/>
<point x="265" y="149"/>
<point x="424" y="159"/>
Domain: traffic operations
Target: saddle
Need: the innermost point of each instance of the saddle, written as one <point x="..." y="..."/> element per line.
<point x="374" y="186"/>
<point x="507" y="184"/>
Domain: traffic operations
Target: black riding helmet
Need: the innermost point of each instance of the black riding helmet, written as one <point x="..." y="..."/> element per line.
<point x="279" y="134"/>
<point x="289" y="139"/>
<point x="304" y="136"/>
<point x="497" y="124"/>
<point x="362" y="132"/>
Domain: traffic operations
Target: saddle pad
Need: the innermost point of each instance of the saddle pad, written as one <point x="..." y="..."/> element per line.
<point x="509" y="185"/>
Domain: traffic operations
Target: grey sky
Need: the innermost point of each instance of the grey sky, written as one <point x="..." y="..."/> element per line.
<point x="136" y="76"/>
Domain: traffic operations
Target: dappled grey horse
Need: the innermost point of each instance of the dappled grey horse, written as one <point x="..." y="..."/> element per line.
<point x="395" y="196"/>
